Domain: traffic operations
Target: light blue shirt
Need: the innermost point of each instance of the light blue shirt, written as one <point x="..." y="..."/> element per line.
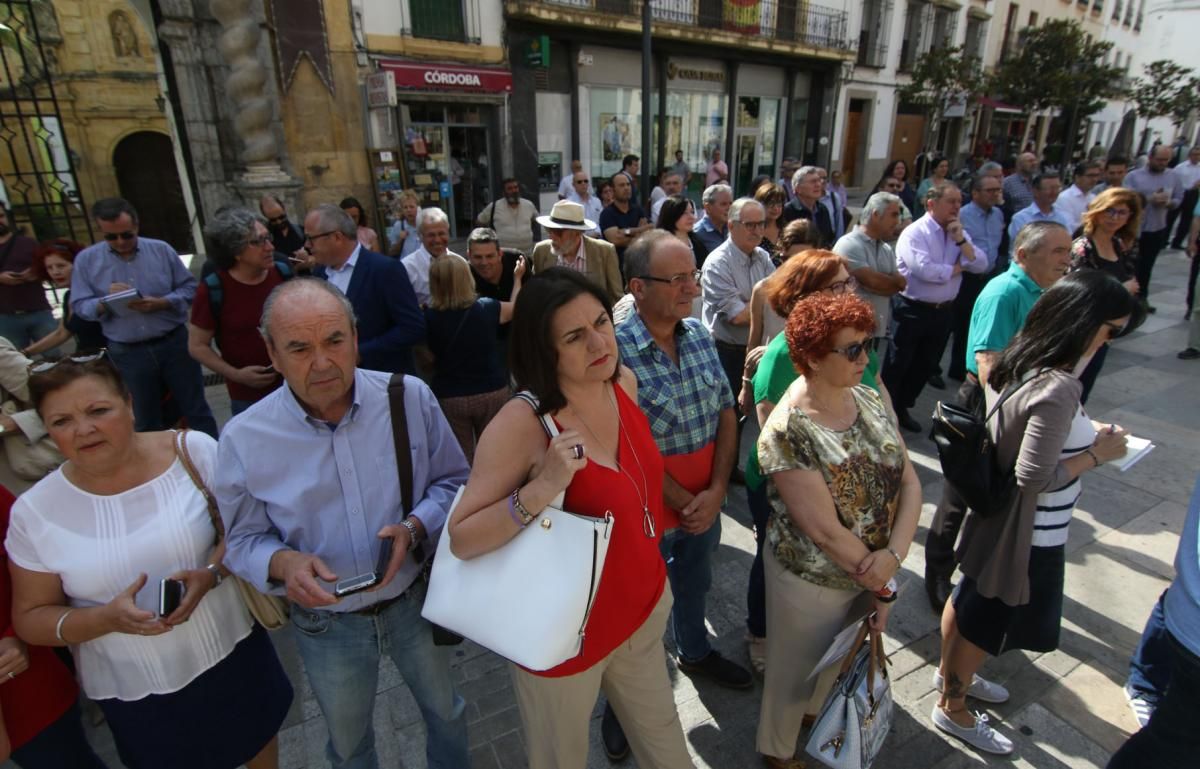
<point x="340" y="277"/>
<point x="411" y="243"/>
<point x="986" y="228"/>
<point x="287" y="480"/>
<point x="155" y="269"/>
<point x="1182" y="605"/>
<point x="1032" y="213"/>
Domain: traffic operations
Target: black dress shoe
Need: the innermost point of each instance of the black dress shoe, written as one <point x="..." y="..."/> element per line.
<point x="616" y="747"/>
<point x="1190" y="353"/>
<point x="719" y="670"/>
<point x="1151" y="308"/>
<point x="907" y="422"/>
<point x="936" y="381"/>
<point x="938" y="588"/>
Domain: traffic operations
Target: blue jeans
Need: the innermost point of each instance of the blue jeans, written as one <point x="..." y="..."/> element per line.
<point x="147" y="366"/>
<point x="1171" y="737"/>
<point x="61" y="745"/>
<point x="1150" y="666"/>
<point x="689" y="567"/>
<point x="25" y="328"/>
<point x="341" y="655"/>
<point x="756" y="589"/>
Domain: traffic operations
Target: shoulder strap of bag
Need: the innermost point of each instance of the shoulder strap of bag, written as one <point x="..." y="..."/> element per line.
<point x="185" y="459"/>
<point x="1008" y="393"/>
<point x="216" y="297"/>
<point x="547" y="423"/>
<point x="859" y="639"/>
<point x="403" y="451"/>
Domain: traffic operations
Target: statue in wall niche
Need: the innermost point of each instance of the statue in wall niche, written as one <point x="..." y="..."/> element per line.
<point x="46" y="21"/>
<point x="124" y="36"/>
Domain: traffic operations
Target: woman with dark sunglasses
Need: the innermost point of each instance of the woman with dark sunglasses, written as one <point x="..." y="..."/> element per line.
<point x="844" y="505"/>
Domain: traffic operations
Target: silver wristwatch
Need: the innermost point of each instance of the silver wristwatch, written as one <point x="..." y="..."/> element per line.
<point x="412" y="533"/>
<point x="215" y="570"/>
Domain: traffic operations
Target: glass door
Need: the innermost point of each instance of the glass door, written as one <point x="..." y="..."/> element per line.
<point x="746" y="147"/>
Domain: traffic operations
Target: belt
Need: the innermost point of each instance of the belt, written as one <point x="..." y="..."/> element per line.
<point x="151" y="340"/>
<point x="931" y="305"/>
<point x="379" y="607"/>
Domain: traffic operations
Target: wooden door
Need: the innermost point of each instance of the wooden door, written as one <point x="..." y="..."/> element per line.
<point x="147" y="178"/>
<point x="906" y="139"/>
<point x="852" y="143"/>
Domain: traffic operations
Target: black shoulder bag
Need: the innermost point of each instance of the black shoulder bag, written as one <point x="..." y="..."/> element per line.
<point x="968" y="455"/>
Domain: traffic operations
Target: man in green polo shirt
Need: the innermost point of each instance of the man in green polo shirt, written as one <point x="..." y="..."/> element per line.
<point x="1043" y="254"/>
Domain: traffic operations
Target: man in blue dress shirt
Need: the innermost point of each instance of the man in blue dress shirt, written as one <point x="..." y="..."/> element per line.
<point x="147" y="338"/>
<point x="307" y="483"/>
<point x="983" y="220"/>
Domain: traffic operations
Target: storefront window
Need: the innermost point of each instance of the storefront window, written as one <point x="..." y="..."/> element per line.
<point x="446" y="157"/>
<point x="695" y="123"/>
<point x="616" y="128"/>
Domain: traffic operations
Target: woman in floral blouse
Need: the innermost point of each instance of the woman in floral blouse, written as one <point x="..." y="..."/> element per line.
<point x="844" y="506"/>
<point x="1109" y="244"/>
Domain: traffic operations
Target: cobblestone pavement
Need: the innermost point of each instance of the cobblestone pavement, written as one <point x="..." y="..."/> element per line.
<point x="1067" y="708"/>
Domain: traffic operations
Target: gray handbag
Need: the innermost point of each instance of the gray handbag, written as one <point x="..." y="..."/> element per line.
<point x="854" y="721"/>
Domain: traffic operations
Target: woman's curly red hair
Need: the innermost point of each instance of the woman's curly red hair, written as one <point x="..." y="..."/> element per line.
<point x="64" y="248"/>
<point x="815" y="321"/>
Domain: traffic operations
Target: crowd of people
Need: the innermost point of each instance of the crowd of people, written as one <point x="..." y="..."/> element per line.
<point x="640" y="344"/>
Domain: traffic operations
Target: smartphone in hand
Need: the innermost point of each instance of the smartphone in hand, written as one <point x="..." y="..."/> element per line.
<point x="170" y="595"/>
<point x="357" y="584"/>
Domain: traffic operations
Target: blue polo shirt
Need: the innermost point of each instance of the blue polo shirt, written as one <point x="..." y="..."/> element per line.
<point x="1000" y="312"/>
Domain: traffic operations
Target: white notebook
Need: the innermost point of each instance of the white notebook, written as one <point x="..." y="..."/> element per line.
<point x="1135" y="449"/>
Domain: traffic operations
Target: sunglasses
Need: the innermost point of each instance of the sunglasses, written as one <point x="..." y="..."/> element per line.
<point x="126" y="235"/>
<point x="853" y="351"/>
<point x="278" y="219"/>
<point x="41" y="367"/>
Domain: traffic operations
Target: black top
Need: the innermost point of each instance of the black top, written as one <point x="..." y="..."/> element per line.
<point x="289" y="243"/>
<point x="88" y="333"/>
<point x="795" y="210"/>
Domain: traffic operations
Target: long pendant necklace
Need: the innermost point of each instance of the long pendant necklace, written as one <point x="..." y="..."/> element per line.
<point x="643" y="494"/>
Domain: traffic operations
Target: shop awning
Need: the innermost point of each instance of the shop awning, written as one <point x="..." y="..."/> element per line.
<point x="433" y="76"/>
<point x="1000" y="106"/>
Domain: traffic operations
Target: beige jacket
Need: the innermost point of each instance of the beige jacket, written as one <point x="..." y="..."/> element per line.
<point x="602" y="268"/>
<point x="31" y="453"/>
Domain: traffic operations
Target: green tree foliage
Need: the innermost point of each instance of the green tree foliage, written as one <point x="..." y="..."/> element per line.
<point x="1058" y="65"/>
<point x="939" y="75"/>
<point x="1166" y="89"/>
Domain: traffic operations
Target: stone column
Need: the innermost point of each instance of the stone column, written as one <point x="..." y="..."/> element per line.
<point x="247" y="89"/>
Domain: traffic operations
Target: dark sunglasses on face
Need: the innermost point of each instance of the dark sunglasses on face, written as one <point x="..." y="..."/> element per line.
<point x="852" y="351"/>
<point x="126" y="235"/>
<point x="278" y="220"/>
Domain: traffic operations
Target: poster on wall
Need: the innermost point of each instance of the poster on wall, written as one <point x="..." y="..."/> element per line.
<point x="674" y="140"/>
<point x="711" y="135"/>
<point x="616" y="137"/>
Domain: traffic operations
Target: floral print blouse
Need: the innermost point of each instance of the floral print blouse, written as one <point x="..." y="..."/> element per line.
<point x="862" y="466"/>
<point x="1084" y="257"/>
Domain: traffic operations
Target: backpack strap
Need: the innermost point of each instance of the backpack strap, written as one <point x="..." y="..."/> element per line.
<point x="284" y="268"/>
<point x="403" y="451"/>
<point x="216" y="298"/>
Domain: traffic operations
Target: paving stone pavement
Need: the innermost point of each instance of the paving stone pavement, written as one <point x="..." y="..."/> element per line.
<point x="1067" y="707"/>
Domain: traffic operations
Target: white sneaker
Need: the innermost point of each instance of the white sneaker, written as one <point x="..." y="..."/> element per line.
<point x="1142" y="708"/>
<point x="980" y="688"/>
<point x="980" y="736"/>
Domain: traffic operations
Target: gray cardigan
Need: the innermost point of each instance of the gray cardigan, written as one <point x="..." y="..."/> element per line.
<point x="1029" y="431"/>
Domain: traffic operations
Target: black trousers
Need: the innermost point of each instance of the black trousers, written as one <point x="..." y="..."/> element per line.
<point x="964" y="303"/>
<point x="1179" y="220"/>
<point x="920" y="338"/>
<point x="1150" y="244"/>
<point x="733" y="362"/>
<point x="948" y="518"/>
<point x="1193" y="273"/>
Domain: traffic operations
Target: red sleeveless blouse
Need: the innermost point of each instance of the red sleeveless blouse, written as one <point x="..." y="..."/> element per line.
<point x="634" y="572"/>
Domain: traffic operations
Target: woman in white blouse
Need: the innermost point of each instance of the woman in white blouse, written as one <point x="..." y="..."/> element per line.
<point x="89" y="544"/>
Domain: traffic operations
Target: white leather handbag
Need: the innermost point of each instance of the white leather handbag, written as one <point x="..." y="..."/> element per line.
<point x="528" y="600"/>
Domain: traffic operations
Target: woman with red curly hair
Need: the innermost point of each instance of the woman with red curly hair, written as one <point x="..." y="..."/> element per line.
<point x="844" y="506"/>
<point x="54" y="261"/>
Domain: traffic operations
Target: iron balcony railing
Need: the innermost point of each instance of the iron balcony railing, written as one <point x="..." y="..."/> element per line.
<point x="793" y="21"/>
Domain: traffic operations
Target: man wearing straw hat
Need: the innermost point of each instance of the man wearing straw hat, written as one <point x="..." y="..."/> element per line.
<point x="569" y="247"/>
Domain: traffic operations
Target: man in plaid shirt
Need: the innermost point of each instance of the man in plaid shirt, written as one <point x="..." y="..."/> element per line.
<point x="685" y="395"/>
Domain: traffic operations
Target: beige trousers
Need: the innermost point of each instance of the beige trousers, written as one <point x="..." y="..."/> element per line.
<point x="556" y="712"/>
<point x="802" y="619"/>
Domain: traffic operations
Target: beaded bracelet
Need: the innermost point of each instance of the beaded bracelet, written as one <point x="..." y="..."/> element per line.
<point x="1092" y="454"/>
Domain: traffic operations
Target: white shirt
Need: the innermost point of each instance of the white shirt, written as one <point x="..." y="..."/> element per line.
<point x="98" y="545"/>
<point x="655" y="210"/>
<point x="1188" y="173"/>
<point x="1054" y="510"/>
<point x="417" y="266"/>
<point x="340" y="276"/>
<point x="592" y="208"/>
<point x="566" y="185"/>
<point x="1073" y="203"/>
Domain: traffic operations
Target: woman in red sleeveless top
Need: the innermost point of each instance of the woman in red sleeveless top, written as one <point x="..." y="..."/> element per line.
<point x="564" y="352"/>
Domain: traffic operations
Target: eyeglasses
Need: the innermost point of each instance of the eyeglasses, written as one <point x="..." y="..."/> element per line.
<point x="261" y="240"/>
<point x="1116" y="213"/>
<point x="314" y="238"/>
<point x="675" y="280"/>
<point x="753" y="225"/>
<point x="41" y="367"/>
<point x="281" y="219"/>
<point x="126" y="235"/>
<point x="853" y="351"/>
<point x="583" y="181"/>
<point x="839" y="287"/>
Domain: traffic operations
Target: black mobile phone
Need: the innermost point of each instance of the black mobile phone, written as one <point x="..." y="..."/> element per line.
<point x="352" y="585"/>
<point x="170" y="595"/>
